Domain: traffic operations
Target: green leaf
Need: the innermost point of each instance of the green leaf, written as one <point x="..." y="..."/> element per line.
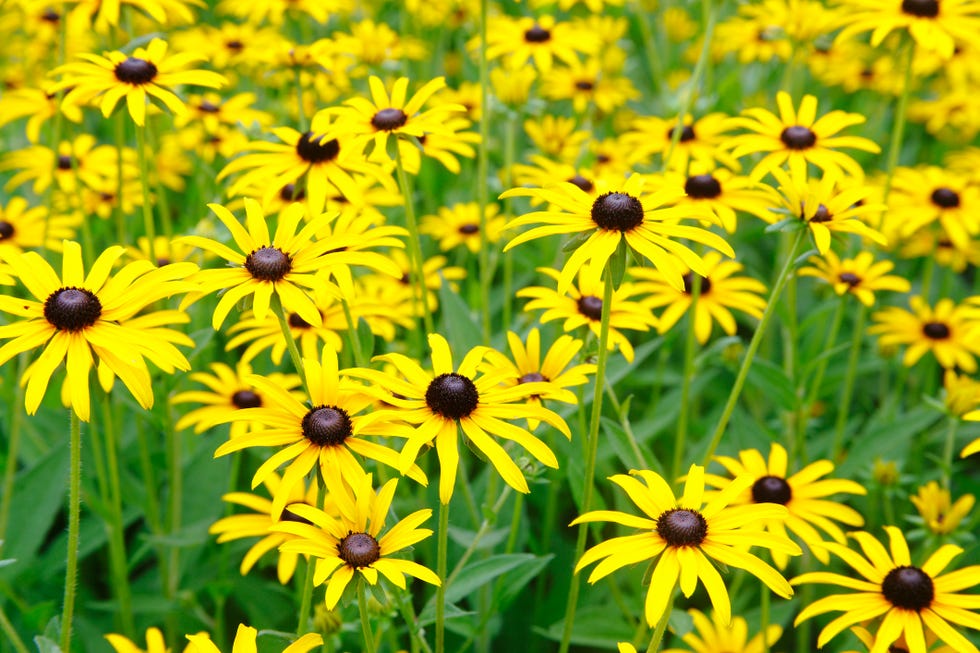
<point x="459" y="324"/>
<point x="770" y="380"/>
<point x="576" y="241"/>
<point x="593" y="627"/>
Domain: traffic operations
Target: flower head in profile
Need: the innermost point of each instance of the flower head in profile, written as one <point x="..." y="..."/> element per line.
<point x="938" y="512"/>
<point x="936" y="25"/>
<point x="714" y="636"/>
<point x="623" y="215"/>
<point x="947" y="330"/>
<point x="899" y="598"/>
<point x="440" y="404"/>
<point x="91" y="320"/>
<point x="146" y="73"/>
<point x="681" y="537"/>
<point x="961" y="394"/>
<point x="352" y="544"/>
<point x="245" y="639"/>
<point x="860" y="276"/>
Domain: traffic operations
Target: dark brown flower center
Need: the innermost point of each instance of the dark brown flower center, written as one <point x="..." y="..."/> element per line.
<point x="583" y="183"/>
<point x="327" y="426"/>
<point x="798" y="137"/>
<point x="469" y="229"/>
<point x="702" y="187"/>
<point x="935" y="330"/>
<point x="50" y="16"/>
<point x="235" y="45"/>
<point x="268" y="264"/>
<point x="389" y="119"/>
<point x="687" y="133"/>
<point x="921" y="8"/>
<point x="246" y="399"/>
<point x="208" y="107"/>
<point x="64" y="162"/>
<point x="315" y="151"/>
<point x="822" y="214"/>
<point x="682" y="527"/>
<point x="290" y="193"/>
<point x="584" y="85"/>
<point x="296" y="322"/>
<point x="537" y="34"/>
<point x="289" y="515"/>
<point x="946" y="198"/>
<point x="72" y="309"/>
<point x="590" y="306"/>
<point x="6" y="230"/>
<point x="617" y="211"/>
<point x="772" y="489"/>
<point x="533" y="377"/>
<point x="135" y="71"/>
<point x="689" y="284"/>
<point x="849" y="278"/>
<point x="359" y="550"/>
<point x="452" y="395"/>
<point x="909" y="588"/>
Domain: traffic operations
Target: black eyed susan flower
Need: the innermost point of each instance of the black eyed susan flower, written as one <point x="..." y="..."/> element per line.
<point x="860" y="276"/>
<point x="582" y="305"/>
<point x="542" y="39"/>
<point x="938" y="513"/>
<point x="947" y="330"/>
<point x="798" y="137"/>
<point x="723" y="193"/>
<point x="805" y="494"/>
<point x="622" y="214"/>
<point x="698" y="143"/>
<point x="961" y="394"/>
<point x="352" y="543"/>
<point x="460" y="225"/>
<point x="27" y="227"/>
<point x="720" y="291"/>
<point x="147" y="72"/>
<point x="441" y="403"/>
<point x="681" y="537"/>
<point x="909" y="600"/>
<point x="588" y="85"/>
<point x="155" y="643"/>
<point x="38" y="105"/>
<point x="91" y="320"/>
<point x="715" y="636"/>
<point x="936" y="25"/>
<point x="245" y="642"/>
<point x="79" y="163"/>
<point x="326" y="431"/>
<point x="928" y="194"/>
<point x="104" y="14"/>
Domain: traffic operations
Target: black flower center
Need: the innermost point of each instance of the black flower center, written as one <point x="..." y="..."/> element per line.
<point x="584" y="85"/>
<point x="296" y="322"/>
<point x="798" y="137"/>
<point x="702" y="187"/>
<point x="590" y="306"/>
<point x="389" y="119"/>
<point x="617" y="211"/>
<point x="268" y="264"/>
<point x="327" y="426"/>
<point x="6" y="230"/>
<point x="289" y="515"/>
<point x="135" y="71"/>
<point x="208" y="107"/>
<point x="687" y="133"/>
<point x="533" y="377"/>
<point x="682" y="527"/>
<point x="246" y="399"/>
<point x="946" y="198"/>
<point x="935" y="330"/>
<point x="772" y="489"/>
<point x="689" y="284"/>
<point x="314" y="151"/>
<point x="849" y="278"/>
<point x="469" y="229"/>
<point x="51" y="16"/>
<point x="452" y="395"/>
<point x="235" y="45"/>
<point x="822" y="214"/>
<point x="583" y="183"/>
<point x="921" y="8"/>
<point x="290" y="193"/>
<point x="64" y="162"/>
<point x="359" y="550"/>
<point x="909" y="588"/>
<point x="537" y="34"/>
<point x="72" y="309"/>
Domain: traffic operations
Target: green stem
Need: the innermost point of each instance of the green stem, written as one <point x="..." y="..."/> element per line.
<point x="16" y="412"/>
<point x="276" y="305"/>
<point x="119" y="129"/>
<point x="658" y="633"/>
<point x="148" y="226"/>
<point x="485" y="527"/>
<point x="74" y="516"/>
<point x="764" y="618"/>
<point x="414" y="242"/>
<point x="848" y="389"/>
<point x="117" y="542"/>
<point x="441" y="564"/>
<point x="482" y="174"/>
<point x="11" y="633"/>
<point x="898" y="128"/>
<point x="624" y="422"/>
<point x="803" y="638"/>
<point x="175" y="470"/>
<point x="306" y="599"/>
<point x="680" y="438"/>
<point x="417" y="642"/>
<point x="649" y="48"/>
<point x="590" y="458"/>
<point x="355" y="343"/>
<point x="362" y="607"/>
<point x="948" y="447"/>
<point x="743" y="371"/>
<point x="799" y="445"/>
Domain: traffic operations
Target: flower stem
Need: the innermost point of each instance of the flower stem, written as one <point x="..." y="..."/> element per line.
<point x="117" y="542"/>
<point x="414" y="242"/>
<point x="743" y="371"/>
<point x="680" y="438"/>
<point x="148" y="226"/>
<point x="590" y="458"/>
<point x="355" y="343"/>
<point x="764" y="618"/>
<point x="74" y="515"/>
<point x="306" y="599"/>
<point x="441" y="555"/>
<point x="799" y="445"/>
<point x="276" y="305"/>
<point x="658" y="633"/>
<point x="948" y="447"/>
<point x="8" y="629"/>
<point x="482" y="175"/>
<point x="898" y="127"/>
<point x="848" y="390"/>
<point x="362" y="607"/>
<point x="13" y="450"/>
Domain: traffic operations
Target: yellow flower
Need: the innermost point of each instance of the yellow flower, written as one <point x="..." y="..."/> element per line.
<point x="714" y="636"/>
<point x="936" y="25"/>
<point x="541" y="39"/>
<point x="936" y="510"/>
<point x="860" y="276"/>
<point x="245" y="642"/>
<point x="946" y="330"/>
<point x="460" y="225"/>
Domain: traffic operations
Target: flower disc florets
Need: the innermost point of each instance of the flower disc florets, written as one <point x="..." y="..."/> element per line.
<point x="798" y="137"/>
<point x="289" y="515"/>
<point x="849" y="278"/>
<point x="389" y="119"/>
<point x="617" y="211"/>
<point x="682" y="527"/>
<point x="469" y="229"/>
<point x="6" y="230"/>
<point x="452" y="395"/>
<point x="314" y="151"/>
<point x="296" y="322"/>
<point x="590" y="306"/>
<point x="537" y="34"/>
<point x="268" y="264"/>
<point x="246" y="399"/>
<point x="702" y="187"/>
<point x="533" y="377"/>
<point x="921" y="8"/>
<point x="935" y="330"/>
<point x="946" y="198"/>
<point x="583" y="183"/>
<point x="72" y="309"/>
<point x="359" y="550"/>
<point x="687" y="133"/>
<point x="772" y="489"/>
<point x="689" y="284"/>
<point x="327" y="426"/>
<point x="909" y="588"/>
<point x="64" y="162"/>
<point x="135" y="71"/>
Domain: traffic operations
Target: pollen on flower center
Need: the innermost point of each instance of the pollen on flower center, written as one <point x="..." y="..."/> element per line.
<point x="771" y="489"/>
<point x="590" y="306"/>
<point x="6" y="230"/>
<point x="289" y="515"/>
<point x="452" y="395"/>
<point x="315" y="151"/>
<point x="135" y="71"/>
<point x="537" y="34"/>
<point x="689" y="284"/>
<point x="798" y="137"/>
<point x="909" y="588"/>
<point x="682" y="527"/>
<point x="389" y="119"/>
<point x="687" y="133"/>
<point x="617" y="211"/>
<point x="946" y="198"/>
<point x="268" y="264"/>
<point x="72" y="309"/>
<point x="935" y="330"/>
<point x="327" y="426"/>
<point x="246" y="399"/>
<point x="583" y="183"/>
<point x="921" y="8"/>
<point x="359" y="550"/>
<point x="849" y="278"/>
<point x="702" y="187"/>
